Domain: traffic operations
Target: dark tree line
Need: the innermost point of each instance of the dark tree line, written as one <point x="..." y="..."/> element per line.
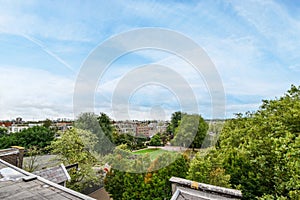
<point x="38" y="136"/>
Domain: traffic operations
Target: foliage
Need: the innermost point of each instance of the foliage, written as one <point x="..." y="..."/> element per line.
<point x="132" y="142"/>
<point x="37" y="136"/>
<point x="123" y="147"/>
<point x="96" y="125"/>
<point x="151" y="184"/>
<point x="164" y="138"/>
<point x="47" y="123"/>
<point x="76" y="146"/>
<point x="207" y="168"/>
<point x="214" y="131"/>
<point x="106" y="126"/>
<point x="156" y="140"/>
<point x="3" y="131"/>
<point x="31" y="165"/>
<point x="175" y="120"/>
<point x="260" y="150"/>
<point x="191" y="131"/>
<point x="216" y="127"/>
<point x="153" y="153"/>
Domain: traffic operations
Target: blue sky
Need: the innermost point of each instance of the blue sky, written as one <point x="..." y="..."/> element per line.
<point x="254" y="45"/>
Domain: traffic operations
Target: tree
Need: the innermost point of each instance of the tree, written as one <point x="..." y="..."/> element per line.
<point x="132" y="142"/>
<point x="75" y="146"/>
<point x="38" y="136"/>
<point x="106" y="126"/>
<point x="207" y="168"/>
<point x="156" y="140"/>
<point x="175" y="120"/>
<point x="200" y="134"/>
<point x="260" y="150"/>
<point x="153" y="183"/>
<point x="91" y="122"/>
<point x="31" y="164"/>
<point x="3" y="131"/>
<point x="47" y="123"/>
<point x="191" y="131"/>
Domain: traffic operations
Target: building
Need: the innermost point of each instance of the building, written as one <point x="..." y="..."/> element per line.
<point x="13" y="155"/>
<point x="63" y="126"/>
<point x="157" y="127"/>
<point x="53" y="178"/>
<point x="183" y="189"/>
<point x="17" y="128"/>
<point x="126" y="127"/>
<point x="142" y="130"/>
<point x="5" y="124"/>
<point x="17" y="184"/>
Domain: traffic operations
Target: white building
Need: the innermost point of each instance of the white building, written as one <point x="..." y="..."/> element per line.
<point x="17" y="128"/>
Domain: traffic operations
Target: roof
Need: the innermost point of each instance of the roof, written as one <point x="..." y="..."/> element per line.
<point x="100" y="194"/>
<point x="17" y="184"/>
<point x="187" y="189"/>
<point x="56" y="174"/>
<point x="183" y="195"/>
<point x="9" y="151"/>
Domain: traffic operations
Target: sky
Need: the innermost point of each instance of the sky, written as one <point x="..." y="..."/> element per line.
<point x="254" y="45"/>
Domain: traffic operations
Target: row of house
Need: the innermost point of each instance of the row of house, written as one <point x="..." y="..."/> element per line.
<point x="134" y="127"/>
<point x="141" y="128"/>
<point x="19" y="125"/>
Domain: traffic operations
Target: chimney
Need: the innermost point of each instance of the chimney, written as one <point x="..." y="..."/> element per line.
<point x="20" y="156"/>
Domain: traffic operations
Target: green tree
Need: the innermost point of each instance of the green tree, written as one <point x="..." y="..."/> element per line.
<point x="3" y="131"/>
<point x="47" y="123"/>
<point x="37" y="136"/>
<point x="132" y="142"/>
<point x="151" y="184"/>
<point x="207" y="168"/>
<point x="156" y="140"/>
<point x="191" y="131"/>
<point x="91" y="122"/>
<point x="75" y="146"/>
<point x="31" y="164"/>
<point x="175" y="120"/>
<point x="260" y="150"/>
<point x="106" y="126"/>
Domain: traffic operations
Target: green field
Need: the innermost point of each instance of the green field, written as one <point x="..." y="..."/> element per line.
<point x="154" y="153"/>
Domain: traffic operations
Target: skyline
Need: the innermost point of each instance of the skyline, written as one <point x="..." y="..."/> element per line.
<point x="252" y="44"/>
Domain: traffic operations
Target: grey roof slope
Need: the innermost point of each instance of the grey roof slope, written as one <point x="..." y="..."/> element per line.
<point x="17" y="184"/>
<point x="56" y="174"/>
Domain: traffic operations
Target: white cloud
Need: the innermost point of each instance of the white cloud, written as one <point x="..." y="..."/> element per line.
<point x="32" y="93"/>
<point x="254" y="46"/>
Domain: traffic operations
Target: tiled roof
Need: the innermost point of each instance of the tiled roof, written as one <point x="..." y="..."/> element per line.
<point x="56" y="174"/>
<point x="17" y="184"/>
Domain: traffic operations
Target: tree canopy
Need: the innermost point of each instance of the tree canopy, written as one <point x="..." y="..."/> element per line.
<point x="156" y="140"/>
<point x="76" y="146"/>
<point x="260" y="150"/>
<point x="38" y="136"/>
<point x="175" y="120"/>
<point x="191" y="131"/>
<point x="3" y="131"/>
<point x="99" y="126"/>
<point x="150" y="184"/>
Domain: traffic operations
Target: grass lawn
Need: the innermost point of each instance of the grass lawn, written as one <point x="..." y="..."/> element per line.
<point x="154" y="153"/>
